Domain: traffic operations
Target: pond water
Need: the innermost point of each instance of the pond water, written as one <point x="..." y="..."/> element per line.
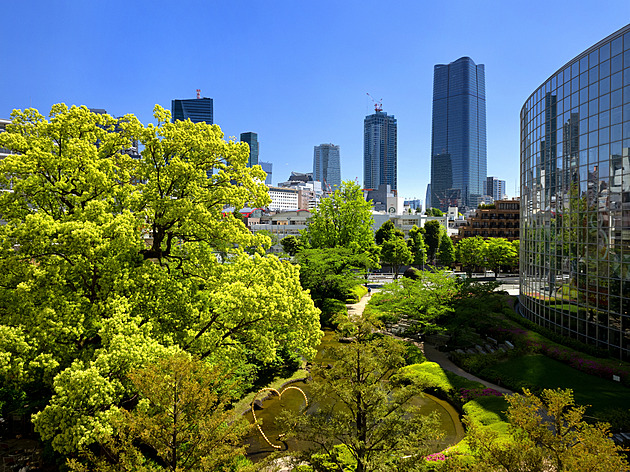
<point x="294" y="400"/>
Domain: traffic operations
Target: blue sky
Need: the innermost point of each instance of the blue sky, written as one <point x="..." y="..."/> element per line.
<point x="297" y="72"/>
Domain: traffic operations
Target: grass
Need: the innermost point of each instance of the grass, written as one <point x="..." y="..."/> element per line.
<point x="539" y="370"/>
<point x="487" y="411"/>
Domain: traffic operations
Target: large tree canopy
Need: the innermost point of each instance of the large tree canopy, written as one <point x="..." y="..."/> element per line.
<point x="342" y="220"/>
<point x="109" y="260"/>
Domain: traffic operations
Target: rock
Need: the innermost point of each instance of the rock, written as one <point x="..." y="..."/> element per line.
<point x="258" y="405"/>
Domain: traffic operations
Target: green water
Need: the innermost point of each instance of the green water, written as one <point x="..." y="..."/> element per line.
<point x="293" y="400"/>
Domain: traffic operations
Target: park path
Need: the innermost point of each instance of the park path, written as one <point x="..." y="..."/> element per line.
<point x="355" y="311"/>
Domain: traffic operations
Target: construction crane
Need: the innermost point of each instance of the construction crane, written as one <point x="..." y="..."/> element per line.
<point x="378" y="106"/>
<point x="198" y="93"/>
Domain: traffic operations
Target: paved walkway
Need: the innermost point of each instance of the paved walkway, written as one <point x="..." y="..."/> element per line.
<point x="433" y="355"/>
<point x="355" y="311"/>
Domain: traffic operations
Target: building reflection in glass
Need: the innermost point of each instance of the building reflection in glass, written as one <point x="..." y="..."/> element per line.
<point x="575" y="198"/>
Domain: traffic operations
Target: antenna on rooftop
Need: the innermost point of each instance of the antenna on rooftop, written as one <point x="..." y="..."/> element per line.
<point x="198" y="93"/>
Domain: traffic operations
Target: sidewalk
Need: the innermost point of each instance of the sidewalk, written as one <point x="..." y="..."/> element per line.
<point x="355" y="311"/>
<point x="433" y="355"/>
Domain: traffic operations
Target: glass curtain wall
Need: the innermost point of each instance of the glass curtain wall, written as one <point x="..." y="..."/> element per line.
<point x="575" y="198"/>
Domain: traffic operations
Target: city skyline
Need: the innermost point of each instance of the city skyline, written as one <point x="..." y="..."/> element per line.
<point x="293" y="103"/>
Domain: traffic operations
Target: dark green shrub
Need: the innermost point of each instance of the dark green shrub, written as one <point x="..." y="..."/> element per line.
<point x="334" y="312"/>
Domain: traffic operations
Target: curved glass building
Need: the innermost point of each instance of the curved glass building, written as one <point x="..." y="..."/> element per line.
<point x="575" y="198"/>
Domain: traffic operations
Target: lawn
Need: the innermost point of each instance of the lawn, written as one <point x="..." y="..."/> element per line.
<point x="537" y="369"/>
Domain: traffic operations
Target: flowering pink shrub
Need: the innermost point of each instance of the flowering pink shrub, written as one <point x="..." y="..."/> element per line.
<point x="575" y="360"/>
<point x="438" y="456"/>
<point x="467" y="394"/>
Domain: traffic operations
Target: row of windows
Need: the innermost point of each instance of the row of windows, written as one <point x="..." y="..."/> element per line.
<point x="581" y="65"/>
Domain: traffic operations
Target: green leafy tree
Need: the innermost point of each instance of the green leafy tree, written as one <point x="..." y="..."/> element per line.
<point x="387" y="232"/>
<point x="396" y="252"/>
<point x="432" y="236"/>
<point x="424" y="299"/>
<point x="514" y="259"/>
<point x="342" y="220"/>
<point x="546" y="433"/>
<point x="291" y="244"/>
<point x="363" y="411"/>
<point x="499" y="252"/>
<point x="470" y="252"/>
<point x="417" y="246"/>
<point x="446" y="253"/>
<point x="181" y="419"/>
<point x="434" y="212"/>
<point x="117" y="263"/>
<point x="331" y="273"/>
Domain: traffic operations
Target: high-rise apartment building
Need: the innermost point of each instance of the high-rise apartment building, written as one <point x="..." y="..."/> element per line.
<point x="458" y="144"/>
<point x="327" y="166"/>
<point x="251" y="139"/>
<point x="380" y="151"/>
<point x="195" y="109"/>
<point x="575" y="198"/>
<point x="495" y="188"/>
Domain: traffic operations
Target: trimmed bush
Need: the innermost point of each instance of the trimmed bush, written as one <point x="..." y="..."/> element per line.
<point x="356" y="293"/>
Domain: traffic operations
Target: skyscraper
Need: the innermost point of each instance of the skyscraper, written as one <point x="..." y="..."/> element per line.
<point x="195" y="109"/>
<point x="380" y="151"/>
<point x="458" y="144"/>
<point x="268" y="168"/>
<point x="251" y="139"/>
<point x="327" y="166"/>
<point x="495" y="188"/>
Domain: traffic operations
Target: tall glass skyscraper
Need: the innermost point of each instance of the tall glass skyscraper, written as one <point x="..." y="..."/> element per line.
<point x="458" y="144"/>
<point x="327" y="166"/>
<point x="380" y="152"/>
<point x="575" y="198"/>
<point x="195" y="109"/>
<point x="251" y="139"/>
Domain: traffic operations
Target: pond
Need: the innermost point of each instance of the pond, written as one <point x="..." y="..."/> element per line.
<point x="294" y="400"/>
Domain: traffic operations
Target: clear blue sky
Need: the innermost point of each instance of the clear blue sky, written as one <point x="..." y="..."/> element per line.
<point x="297" y="72"/>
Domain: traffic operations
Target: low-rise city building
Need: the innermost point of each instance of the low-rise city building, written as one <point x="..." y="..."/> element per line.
<point x="498" y="220"/>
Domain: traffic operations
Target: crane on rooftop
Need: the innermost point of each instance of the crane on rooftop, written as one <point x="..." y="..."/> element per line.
<point x="378" y="106"/>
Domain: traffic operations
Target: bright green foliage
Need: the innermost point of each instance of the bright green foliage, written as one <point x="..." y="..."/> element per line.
<point x="417" y="245"/>
<point x="291" y="245"/>
<point x="331" y="273"/>
<point x="396" y="252"/>
<point x="499" y="252"/>
<point x="432" y="236"/>
<point x="470" y="252"/>
<point x="108" y="262"/>
<point x="514" y="261"/>
<point x="342" y="220"/>
<point x="363" y="411"/>
<point x="387" y="232"/>
<point x="425" y="299"/>
<point x="446" y="253"/>
<point x="546" y="433"/>
<point x="434" y="212"/>
<point x="181" y="420"/>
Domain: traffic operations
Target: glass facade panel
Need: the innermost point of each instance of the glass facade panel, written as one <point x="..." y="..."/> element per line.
<point x="575" y="199"/>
